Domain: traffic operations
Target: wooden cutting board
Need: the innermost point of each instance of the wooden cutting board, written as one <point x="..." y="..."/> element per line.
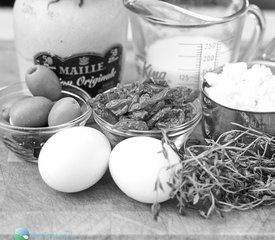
<point x="103" y="211"/>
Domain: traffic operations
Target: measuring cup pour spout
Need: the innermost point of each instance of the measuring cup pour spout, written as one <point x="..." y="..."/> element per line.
<point x="180" y="40"/>
<point x="153" y="10"/>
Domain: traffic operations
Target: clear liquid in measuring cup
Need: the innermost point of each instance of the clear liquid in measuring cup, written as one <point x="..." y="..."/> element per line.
<point x="181" y="60"/>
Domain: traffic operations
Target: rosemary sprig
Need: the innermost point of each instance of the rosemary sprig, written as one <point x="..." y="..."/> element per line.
<point x="237" y="171"/>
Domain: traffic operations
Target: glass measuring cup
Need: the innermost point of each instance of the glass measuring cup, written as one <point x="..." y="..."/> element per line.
<point x="178" y="40"/>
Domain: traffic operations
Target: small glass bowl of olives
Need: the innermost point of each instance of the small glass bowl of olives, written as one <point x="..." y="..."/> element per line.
<point x="32" y="111"/>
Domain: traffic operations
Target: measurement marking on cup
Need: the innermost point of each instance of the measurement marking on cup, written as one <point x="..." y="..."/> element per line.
<point x="217" y="54"/>
<point x="185" y="56"/>
<point x="187" y="70"/>
<point x="224" y="51"/>
<point x="189" y="44"/>
<point x="200" y="57"/>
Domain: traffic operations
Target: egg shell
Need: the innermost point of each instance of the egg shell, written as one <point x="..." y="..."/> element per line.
<point x="136" y="163"/>
<point x="74" y="159"/>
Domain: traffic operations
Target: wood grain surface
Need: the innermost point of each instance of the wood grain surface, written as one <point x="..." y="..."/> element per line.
<point x="103" y="211"/>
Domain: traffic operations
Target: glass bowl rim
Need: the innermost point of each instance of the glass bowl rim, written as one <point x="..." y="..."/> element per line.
<point x="103" y="123"/>
<point x="84" y="115"/>
<point x="218" y="70"/>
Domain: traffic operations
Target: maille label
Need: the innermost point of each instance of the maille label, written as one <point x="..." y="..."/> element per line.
<point x="92" y="72"/>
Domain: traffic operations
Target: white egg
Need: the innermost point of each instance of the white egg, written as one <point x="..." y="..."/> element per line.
<point x="74" y="159"/>
<point x="136" y="163"/>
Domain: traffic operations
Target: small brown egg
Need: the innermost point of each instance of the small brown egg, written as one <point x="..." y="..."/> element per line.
<point x="31" y="112"/>
<point x="42" y="81"/>
<point x="64" y="110"/>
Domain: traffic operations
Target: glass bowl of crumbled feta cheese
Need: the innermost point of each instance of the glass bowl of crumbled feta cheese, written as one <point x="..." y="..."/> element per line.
<point x="241" y="93"/>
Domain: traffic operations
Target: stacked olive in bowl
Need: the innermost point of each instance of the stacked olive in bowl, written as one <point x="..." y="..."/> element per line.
<point x="34" y="110"/>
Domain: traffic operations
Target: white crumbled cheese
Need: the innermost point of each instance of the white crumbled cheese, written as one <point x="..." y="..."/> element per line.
<point x="243" y="88"/>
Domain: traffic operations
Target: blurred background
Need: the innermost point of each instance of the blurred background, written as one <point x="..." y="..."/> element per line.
<point x="7" y="3"/>
<point x="268" y="6"/>
<point x="265" y="4"/>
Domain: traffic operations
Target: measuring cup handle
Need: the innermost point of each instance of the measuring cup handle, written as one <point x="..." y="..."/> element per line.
<point x="258" y="34"/>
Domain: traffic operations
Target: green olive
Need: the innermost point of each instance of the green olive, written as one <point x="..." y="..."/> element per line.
<point x="5" y="110"/>
<point x="31" y="112"/>
<point x="64" y="110"/>
<point x="42" y="81"/>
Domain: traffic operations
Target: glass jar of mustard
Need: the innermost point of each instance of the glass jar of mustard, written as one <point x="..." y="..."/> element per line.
<point x="82" y="41"/>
